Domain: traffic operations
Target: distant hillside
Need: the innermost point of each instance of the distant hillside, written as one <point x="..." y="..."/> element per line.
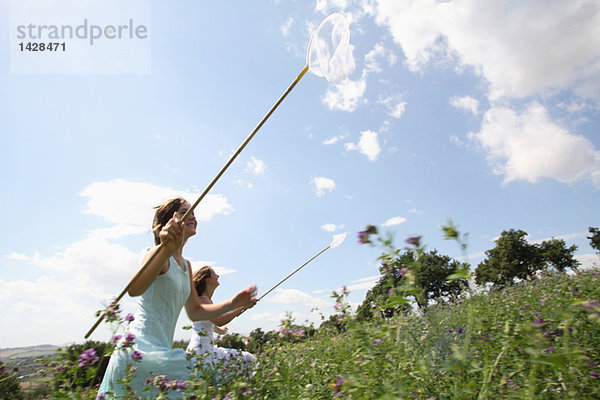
<point x="30" y="351"/>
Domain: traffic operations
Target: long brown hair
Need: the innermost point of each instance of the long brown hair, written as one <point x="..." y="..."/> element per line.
<point x="164" y="213"/>
<point x="199" y="279"/>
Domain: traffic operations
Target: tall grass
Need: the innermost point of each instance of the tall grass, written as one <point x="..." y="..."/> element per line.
<point x="538" y="339"/>
<point x="534" y="340"/>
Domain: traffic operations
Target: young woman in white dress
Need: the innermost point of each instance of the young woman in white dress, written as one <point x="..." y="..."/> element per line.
<point x="205" y="281"/>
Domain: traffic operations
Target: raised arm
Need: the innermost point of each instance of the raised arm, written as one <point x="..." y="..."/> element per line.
<point x="227" y="317"/>
<point x="198" y="311"/>
<point x="170" y="235"/>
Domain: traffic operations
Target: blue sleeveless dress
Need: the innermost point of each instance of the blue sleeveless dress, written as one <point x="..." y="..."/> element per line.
<point x="154" y="325"/>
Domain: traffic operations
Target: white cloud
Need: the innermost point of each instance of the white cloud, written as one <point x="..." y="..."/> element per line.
<point x="367" y="145"/>
<point x="92" y="258"/>
<point x="394" y="221"/>
<point x="363" y="283"/>
<point x="346" y="95"/>
<point x="295" y="296"/>
<point x="57" y="307"/>
<point x="132" y="203"/>
<point x="520" y="49"/>
<point x="268" y="317"/>
<point x="323" y="185"/>
<point x="333" y="140"/>
<point x="196" y="264"/>
<point x="466" y="103"/>
<point x="331" y="227"/>
<point x="18" y="256"/>
<point x="394" y="104"/>
<point x="255" y="166"/>
<point x="588" y="261"/>
<point x="244" y="184"/>
<point x="379" y="51"/>
<point x="529" y="146"/>
<point x="285" y="28"/>
<point x="117" y="231"/>
<point x="326" y="5"/>
<point x="566" y="237"/>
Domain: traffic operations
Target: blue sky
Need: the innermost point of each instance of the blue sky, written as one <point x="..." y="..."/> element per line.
<point x="482" y="112"/>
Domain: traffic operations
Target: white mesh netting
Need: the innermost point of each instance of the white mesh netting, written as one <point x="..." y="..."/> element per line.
<point x="329" y="51"/>
<point x="337" y="240"/>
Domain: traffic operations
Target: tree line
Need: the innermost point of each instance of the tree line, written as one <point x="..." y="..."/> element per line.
<point x="429" y="277"/>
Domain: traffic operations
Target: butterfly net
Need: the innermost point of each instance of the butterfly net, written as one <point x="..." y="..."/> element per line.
<point x="329" y="51"/>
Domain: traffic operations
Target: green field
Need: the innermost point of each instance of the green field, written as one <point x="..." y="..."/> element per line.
<point x="533" y="340"/>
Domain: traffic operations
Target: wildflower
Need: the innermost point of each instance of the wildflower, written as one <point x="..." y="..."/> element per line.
<point x="299" y="332"/>
<point x="414" y="240"/>
<point x="338" y="384"/>
<point x="136" y="356"/>
<point x="179" y="385"/>
<point x="363" y="236"/>
<point x="116" y="339"/>
<point x="377" y="342"/>
<point x="88" y="357"/>
<point x="308" y="387"/>
<point x="459" y="330"/>
<point x="129" y="340"/>
<point x="129" y="317"/>
<point x="590" y="305"/>
<point x="101" y="396"/>
<point x="539" y="322"/>
<point x="112" y="312"/>
<point x="594" y="374"/>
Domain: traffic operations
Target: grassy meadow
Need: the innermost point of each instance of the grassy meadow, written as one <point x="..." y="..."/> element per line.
<point x="533" y="340"/>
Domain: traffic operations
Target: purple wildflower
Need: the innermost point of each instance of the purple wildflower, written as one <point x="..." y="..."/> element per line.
<point x="116" y="338"/>
<point x="136" y="356"/>
<point x="299" y="332"/>
<point x="414" y="240"/>
<point x="88" y="357"/>
<point x="129" y="317"/>
<point x="363" y="236"/>
<point x="594" y="374"/>
<point x="377" y="342"/>
<point x="129" y="340"/>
